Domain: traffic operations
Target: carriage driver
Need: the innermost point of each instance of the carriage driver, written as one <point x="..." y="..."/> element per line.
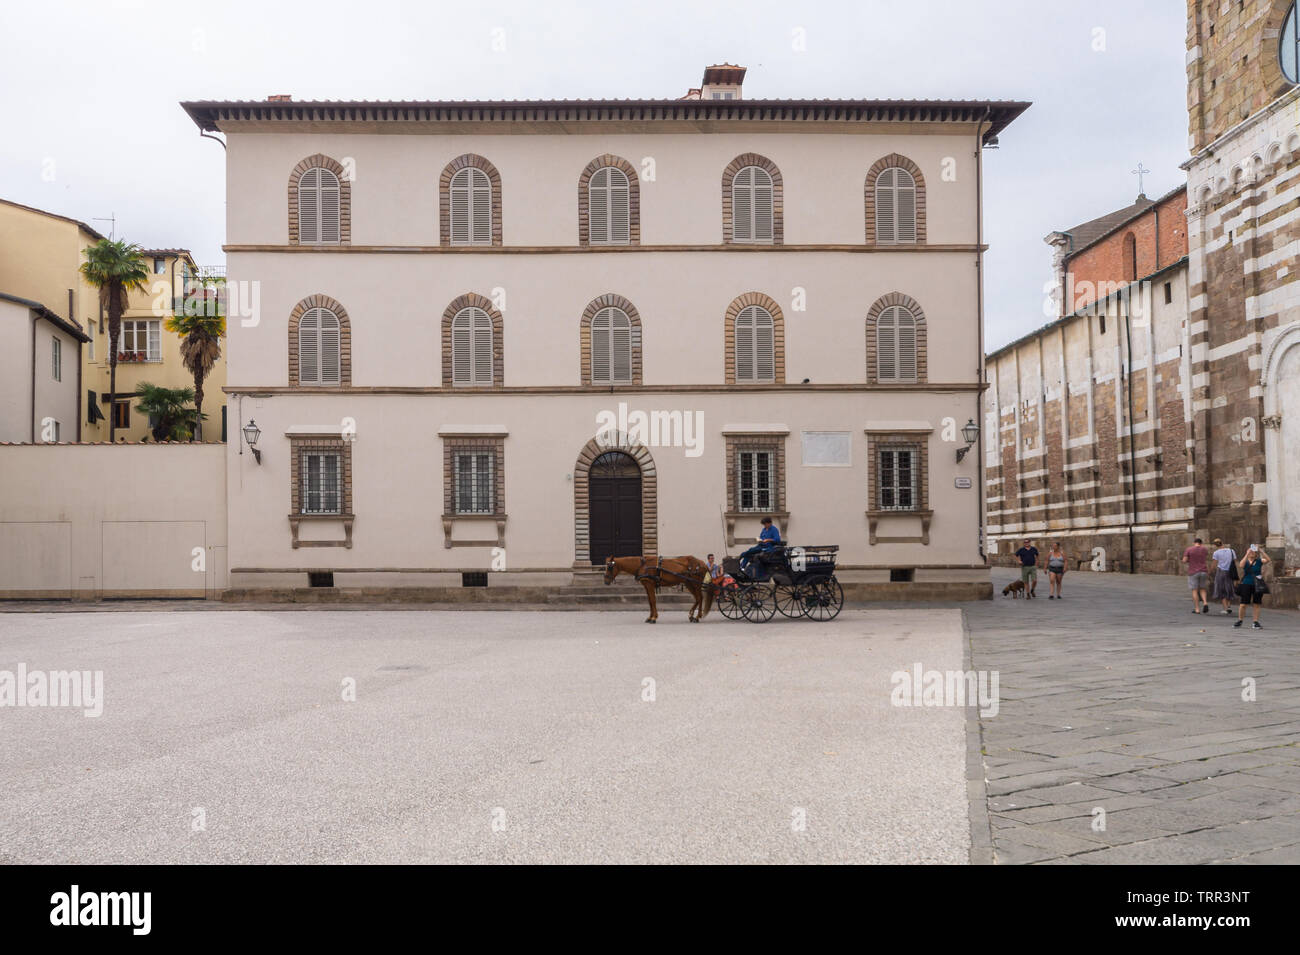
<point x="768" y="539"/>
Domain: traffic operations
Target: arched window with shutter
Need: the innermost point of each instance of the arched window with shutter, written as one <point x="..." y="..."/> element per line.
<point x="320" y="198"/>
<point x="471" y="348"/>
<point x="611" y="342"/>
<point x="470" y="202"/>
<point x="472" y="355"/>
<point x="755" y="341"/>
<point x="895" y="202"/>
<point x="752" y="201"/>
<point x="895" y="206"/>
<point x="320" y="348"/>
<point x="896" y="341"/>
<point x="609" y="207"/>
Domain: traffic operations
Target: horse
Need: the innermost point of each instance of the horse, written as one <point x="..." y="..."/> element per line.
<point x="656" y="572"/>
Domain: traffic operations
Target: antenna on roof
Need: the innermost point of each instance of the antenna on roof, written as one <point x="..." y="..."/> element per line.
<point x="112" y="218"/>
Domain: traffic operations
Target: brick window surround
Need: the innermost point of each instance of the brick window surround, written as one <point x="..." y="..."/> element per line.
<point x="345" y="339"/>
<point x="778" y="334"/>
<point x="581" y="502"/>
<point x="894" y="160"/>
<point x="303" y="443"/>
<point x="873" y="316"/>
<point x="919" y="440"/>
<point x="634" y="197"/>
<point x="321" y="161"/>
<point x="778" y="209"/>
<point x="444" y="196"/>
<point x="772" y="442"/>
<point x="457" y="442"/>
<point x="474" y="300"/>
<point x="609" y="300"/>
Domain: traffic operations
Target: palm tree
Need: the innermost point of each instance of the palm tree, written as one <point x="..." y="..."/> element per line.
<point x="201" y="328"/>
<point x="116" y="268"/>
<point x="170" y="411"/>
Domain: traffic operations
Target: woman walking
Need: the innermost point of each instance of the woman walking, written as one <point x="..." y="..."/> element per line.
<point x="1225" y="559"/>
<point x="1252" y="588"/>
<point x="1055" y="570"/>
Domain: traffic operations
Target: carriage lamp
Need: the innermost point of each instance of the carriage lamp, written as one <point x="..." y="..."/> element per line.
<point x="970" y="433"/>
<point x="251" y="433"/>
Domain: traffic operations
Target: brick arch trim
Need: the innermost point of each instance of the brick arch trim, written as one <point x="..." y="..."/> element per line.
<point x="609" y="300"/>
<point x="474" y="300"/>
<point x="873" y="316"/>
<point x="778" y="195"/>
<point x="778" y="334"/>
<point x="593" y="449"/>
<point x="345" y="338"/>
<point x="321" y="161"/>
<point x="892" y="161"/>
<point x="1272" y="78"/>
<point x="444" y="195"/>
<point x="634" y="197"/>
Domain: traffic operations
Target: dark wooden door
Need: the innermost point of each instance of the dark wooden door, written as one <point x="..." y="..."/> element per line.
<point x="614" y="507"/>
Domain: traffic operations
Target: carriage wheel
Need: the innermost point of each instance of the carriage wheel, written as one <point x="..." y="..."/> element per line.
<point x="755" y="605"/>
<point x="729" y="605"/>
<point x="789" y="600"/>
<point x="824" y="599"/>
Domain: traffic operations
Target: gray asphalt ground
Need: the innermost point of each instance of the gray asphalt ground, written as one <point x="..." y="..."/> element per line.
<point x="484" y="736"/>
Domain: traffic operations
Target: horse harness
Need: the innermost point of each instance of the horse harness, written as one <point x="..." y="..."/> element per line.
<point x="656" y="572"/>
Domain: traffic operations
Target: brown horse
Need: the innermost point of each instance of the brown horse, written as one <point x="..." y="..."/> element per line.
<point x="657" y="572"/>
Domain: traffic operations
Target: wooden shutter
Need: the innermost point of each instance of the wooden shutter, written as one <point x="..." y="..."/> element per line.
<point x="482" y="207"/>
<point x="153" y="350"/>
<point x="762" y="205"/>
<point x="330" y="348"/>
<point x="329" y="207"/>
<point x="462" y="346"/>
<point x="309" y="348"/>
<point x="905" y="326"/>
<point x="742" y="205"/>
<point x="601" y="347"/>
<point x="885" y="222"/>
<point x="309" y="206"/>
<point x="620" y="208"/>
<point x="745" y="345"/>
<point x="621" y="347"/>
<point x="482" y="347"/>
<point x="887" y="346"/>
<point x="598" y="207"/>
<point x="905" y="211"/>
<point x="460" y="207"/>
<point x="764" y="345"/>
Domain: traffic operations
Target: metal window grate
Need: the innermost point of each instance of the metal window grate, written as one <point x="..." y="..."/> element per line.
<point x="756" y="480"/>
<point x="898" y="478"/>
<point x="474" y="578"/>
<point x="473" y="477"/>
<point x="902" y="575"/>
<point x="320" y="578"/>
<point x="322" y="483"/>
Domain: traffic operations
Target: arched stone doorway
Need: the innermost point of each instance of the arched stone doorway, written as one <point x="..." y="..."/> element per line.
<point x="615" y="511"/>
<point x="1281" y="381"/>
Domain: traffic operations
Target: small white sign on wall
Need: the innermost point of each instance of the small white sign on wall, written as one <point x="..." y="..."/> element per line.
<point x="827" y="449"/>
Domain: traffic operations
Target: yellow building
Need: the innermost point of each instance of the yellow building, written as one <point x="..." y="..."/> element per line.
<point x="40" y="254"/>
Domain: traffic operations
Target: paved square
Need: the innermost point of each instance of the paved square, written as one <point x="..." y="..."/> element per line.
<point x="1118" y="699"/>
<point x="535" y="720"/>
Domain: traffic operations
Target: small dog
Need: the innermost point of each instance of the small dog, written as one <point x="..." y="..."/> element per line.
<point x="1014" y="589"/>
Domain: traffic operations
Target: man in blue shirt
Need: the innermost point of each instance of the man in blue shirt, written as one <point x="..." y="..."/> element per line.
<point x="768" y="539"/>
<point x="1028" y="555"/>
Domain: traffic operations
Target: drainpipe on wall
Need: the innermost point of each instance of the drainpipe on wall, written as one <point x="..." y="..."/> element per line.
<point x="80" y="392"/>
<point x="36" y="317"/>
<point x="979" y="312"/>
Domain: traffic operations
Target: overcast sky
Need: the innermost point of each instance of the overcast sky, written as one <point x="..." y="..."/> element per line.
<point x="91" y="126"/>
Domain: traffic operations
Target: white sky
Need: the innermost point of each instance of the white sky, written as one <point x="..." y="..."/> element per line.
<point x="91" y="125"/>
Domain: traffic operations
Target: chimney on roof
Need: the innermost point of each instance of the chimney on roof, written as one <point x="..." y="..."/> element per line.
<point x="721" y="81"/>
<point x="279" y="98"/>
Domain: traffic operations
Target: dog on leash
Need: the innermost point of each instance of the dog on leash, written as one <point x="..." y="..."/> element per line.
<point x="1014" y="589"/>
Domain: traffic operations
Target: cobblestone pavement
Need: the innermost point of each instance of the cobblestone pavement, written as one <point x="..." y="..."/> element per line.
<point x="1119" y="706"/>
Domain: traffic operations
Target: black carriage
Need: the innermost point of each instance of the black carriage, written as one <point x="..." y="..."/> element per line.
<point x="793" y="581"/>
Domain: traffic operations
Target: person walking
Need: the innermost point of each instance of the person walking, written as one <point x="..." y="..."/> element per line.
<point x="1198" y="575"/>
<point x="1225" y="567"/>
<point x="1055" y="570"/>
<point x="1028" y="555"/>
<point x="1253" y="587"/>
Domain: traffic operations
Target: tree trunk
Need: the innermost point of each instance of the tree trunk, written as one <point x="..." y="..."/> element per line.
<point x="114" y="331"/>
<point x="198" y="407"/>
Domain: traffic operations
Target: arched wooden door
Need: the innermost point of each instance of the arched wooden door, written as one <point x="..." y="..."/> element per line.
<point x="614" y="493"/>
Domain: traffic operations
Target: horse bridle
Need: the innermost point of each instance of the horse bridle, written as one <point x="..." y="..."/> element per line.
<point x="610" y="568"/>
